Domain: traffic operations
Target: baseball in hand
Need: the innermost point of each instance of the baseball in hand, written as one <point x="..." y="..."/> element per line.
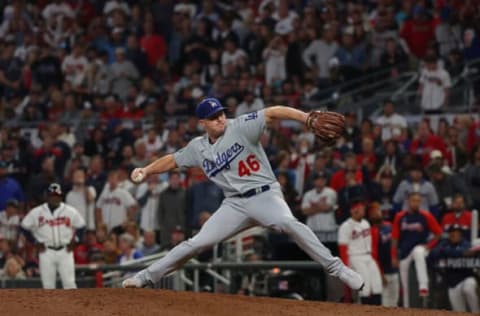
<point x="138" y="175"/>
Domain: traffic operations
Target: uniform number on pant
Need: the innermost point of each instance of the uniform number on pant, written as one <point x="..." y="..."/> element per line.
<point x="251" y="164"/>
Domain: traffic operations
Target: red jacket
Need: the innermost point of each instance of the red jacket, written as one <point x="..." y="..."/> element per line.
<point x="418" y="35"/>
<point x="155" y="48"/>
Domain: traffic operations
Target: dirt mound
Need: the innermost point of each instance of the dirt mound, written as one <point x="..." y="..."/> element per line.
<point x="136" y="302"/>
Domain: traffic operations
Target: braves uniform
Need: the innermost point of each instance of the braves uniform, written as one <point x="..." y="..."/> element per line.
<point x="55" y="231"/>
<point x="237" y="163"/>
<point x="381" y="245"/>
<point x="354" y="237"/>
<point x="412" y="231"/>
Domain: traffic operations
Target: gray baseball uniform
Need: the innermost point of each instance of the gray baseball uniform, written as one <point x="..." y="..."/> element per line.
<point x="237" y="163"/>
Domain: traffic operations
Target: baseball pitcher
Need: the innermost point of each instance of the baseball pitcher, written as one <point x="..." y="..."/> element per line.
<point x="231" y="155"/>
<point x="53" y="225"/>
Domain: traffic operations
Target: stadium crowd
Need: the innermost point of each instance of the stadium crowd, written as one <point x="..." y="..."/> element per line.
<point x="93" y="89"/>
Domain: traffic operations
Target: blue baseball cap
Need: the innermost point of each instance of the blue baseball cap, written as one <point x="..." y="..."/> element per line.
<point x="208" y="107"/>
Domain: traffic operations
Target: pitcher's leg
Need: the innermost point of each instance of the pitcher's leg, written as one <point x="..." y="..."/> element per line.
<point x="225" y="222"/>
<point x="271" y="210"/>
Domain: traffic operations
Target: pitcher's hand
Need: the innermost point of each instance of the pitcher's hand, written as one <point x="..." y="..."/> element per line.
<point x="138" y="175"/>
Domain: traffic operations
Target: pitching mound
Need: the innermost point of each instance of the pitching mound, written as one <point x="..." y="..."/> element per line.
<point x="138" y="302"/>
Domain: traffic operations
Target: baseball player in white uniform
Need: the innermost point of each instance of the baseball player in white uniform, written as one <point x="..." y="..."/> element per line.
<point x="53" y="225"/>
<point x="231" y="155"/>
<point x="355" y="246"/>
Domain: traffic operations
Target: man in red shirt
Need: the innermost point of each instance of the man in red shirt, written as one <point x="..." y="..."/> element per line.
<point x="426" y="142"/>
<point x="459" y="216"/>
<point x="418" y="32"/>
<point x="338" y="182"/>
<point x="153" y="44"/>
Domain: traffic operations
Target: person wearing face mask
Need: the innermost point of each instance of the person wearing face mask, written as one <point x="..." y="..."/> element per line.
<point x="53" y="225"/>
<point x="459" y="216"/>
<point x="82" y="197"/>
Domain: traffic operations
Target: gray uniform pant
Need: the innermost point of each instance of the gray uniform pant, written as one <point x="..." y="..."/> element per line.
<point x="267" y="209"/>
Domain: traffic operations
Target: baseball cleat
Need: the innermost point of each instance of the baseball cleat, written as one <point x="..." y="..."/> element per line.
<point x="351" y="278"/>
<point x="136" y="283"/>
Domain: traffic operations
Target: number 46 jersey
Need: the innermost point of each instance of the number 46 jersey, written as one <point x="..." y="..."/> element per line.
<point x="236" y="162"/>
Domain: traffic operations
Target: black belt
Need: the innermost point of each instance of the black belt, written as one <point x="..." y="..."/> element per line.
<point x="253" y="192"/>
<point x="56" y="248"/>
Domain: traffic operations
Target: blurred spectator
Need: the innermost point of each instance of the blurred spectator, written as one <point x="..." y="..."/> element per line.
<point x="39" y="181"/>
<point x="418" y="32"/>
<point x="172" y="207"/>
<point x="393" y="58"/>
<point x="9" y="187"/>
<point x="448" y="33"/>
<point x="338" y="179"/>
<point x="149" y="246"/>
<point x="274" y="59"/>
<point x="10" y="221"/>
<point x="176" y="236"/>
<point x="82" y="198"/>
<point x="471" y="44"/>
<point x="434" y="88"/>
<point x="382" y="191"/>
<point x="232" y="57"/>
<point x="250" y="104"/>
<point x="123" y="72"/>
<point x="137" y="56"/>
<point x="12" y="270"/>
<point x="319" y="205"/>
<point x="114" y="205"/>
<point x="381" y="244"/>
<point x="462" y="284"/>
<point x="126" y="245"/>
<point x="322" y="50"/>
<point x="417" y="183"/>
<point x="75" y="66"/>
<point x="96" y="176"/>
<point x="447" y="186"/>
<point x="351" y="55"/>
<point x="410" y="241"/>
<point x="202" y="196"/>
<point x="472" y="177"/>
<point x="459" y="216"/>
<point x="392" y="123"/>
<point x="425" y="142"/>
<point x="147" y="195"/>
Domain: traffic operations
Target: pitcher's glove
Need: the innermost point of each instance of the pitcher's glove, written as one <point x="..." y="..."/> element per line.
<point x="326" y="125"/>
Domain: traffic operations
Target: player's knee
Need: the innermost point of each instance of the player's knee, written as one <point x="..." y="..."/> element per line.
<point x="284" y="225"/>
<point x="419" y="251"/>
<point x="470" y="286"/>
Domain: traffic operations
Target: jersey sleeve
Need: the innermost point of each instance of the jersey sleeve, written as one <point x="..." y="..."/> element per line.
<point x="251" y="125"/>
<point x="432" y="223"/>
<point x="343" y="234"/>
<point x="396" y="226"/>
<point x="186" y="157"/>
<point x="28" y="221"/>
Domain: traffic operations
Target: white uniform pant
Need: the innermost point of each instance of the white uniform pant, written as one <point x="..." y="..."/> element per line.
<point x="267" y="209"/>
<point x="418" y="255"/>
<point x="465" y="293"/>
<point x="366" y="266"/>
<point x="51" y="261"/>
<point x="391" y="290"/>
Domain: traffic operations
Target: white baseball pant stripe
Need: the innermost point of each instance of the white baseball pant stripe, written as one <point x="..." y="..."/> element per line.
<point x="391" y="290"/>
<point x="236" y="214"/>
<point x="368" y="269"/>
<point x="465" y="292"/>
<point x="418" y="255"/>
<point x="51" y="261"/>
